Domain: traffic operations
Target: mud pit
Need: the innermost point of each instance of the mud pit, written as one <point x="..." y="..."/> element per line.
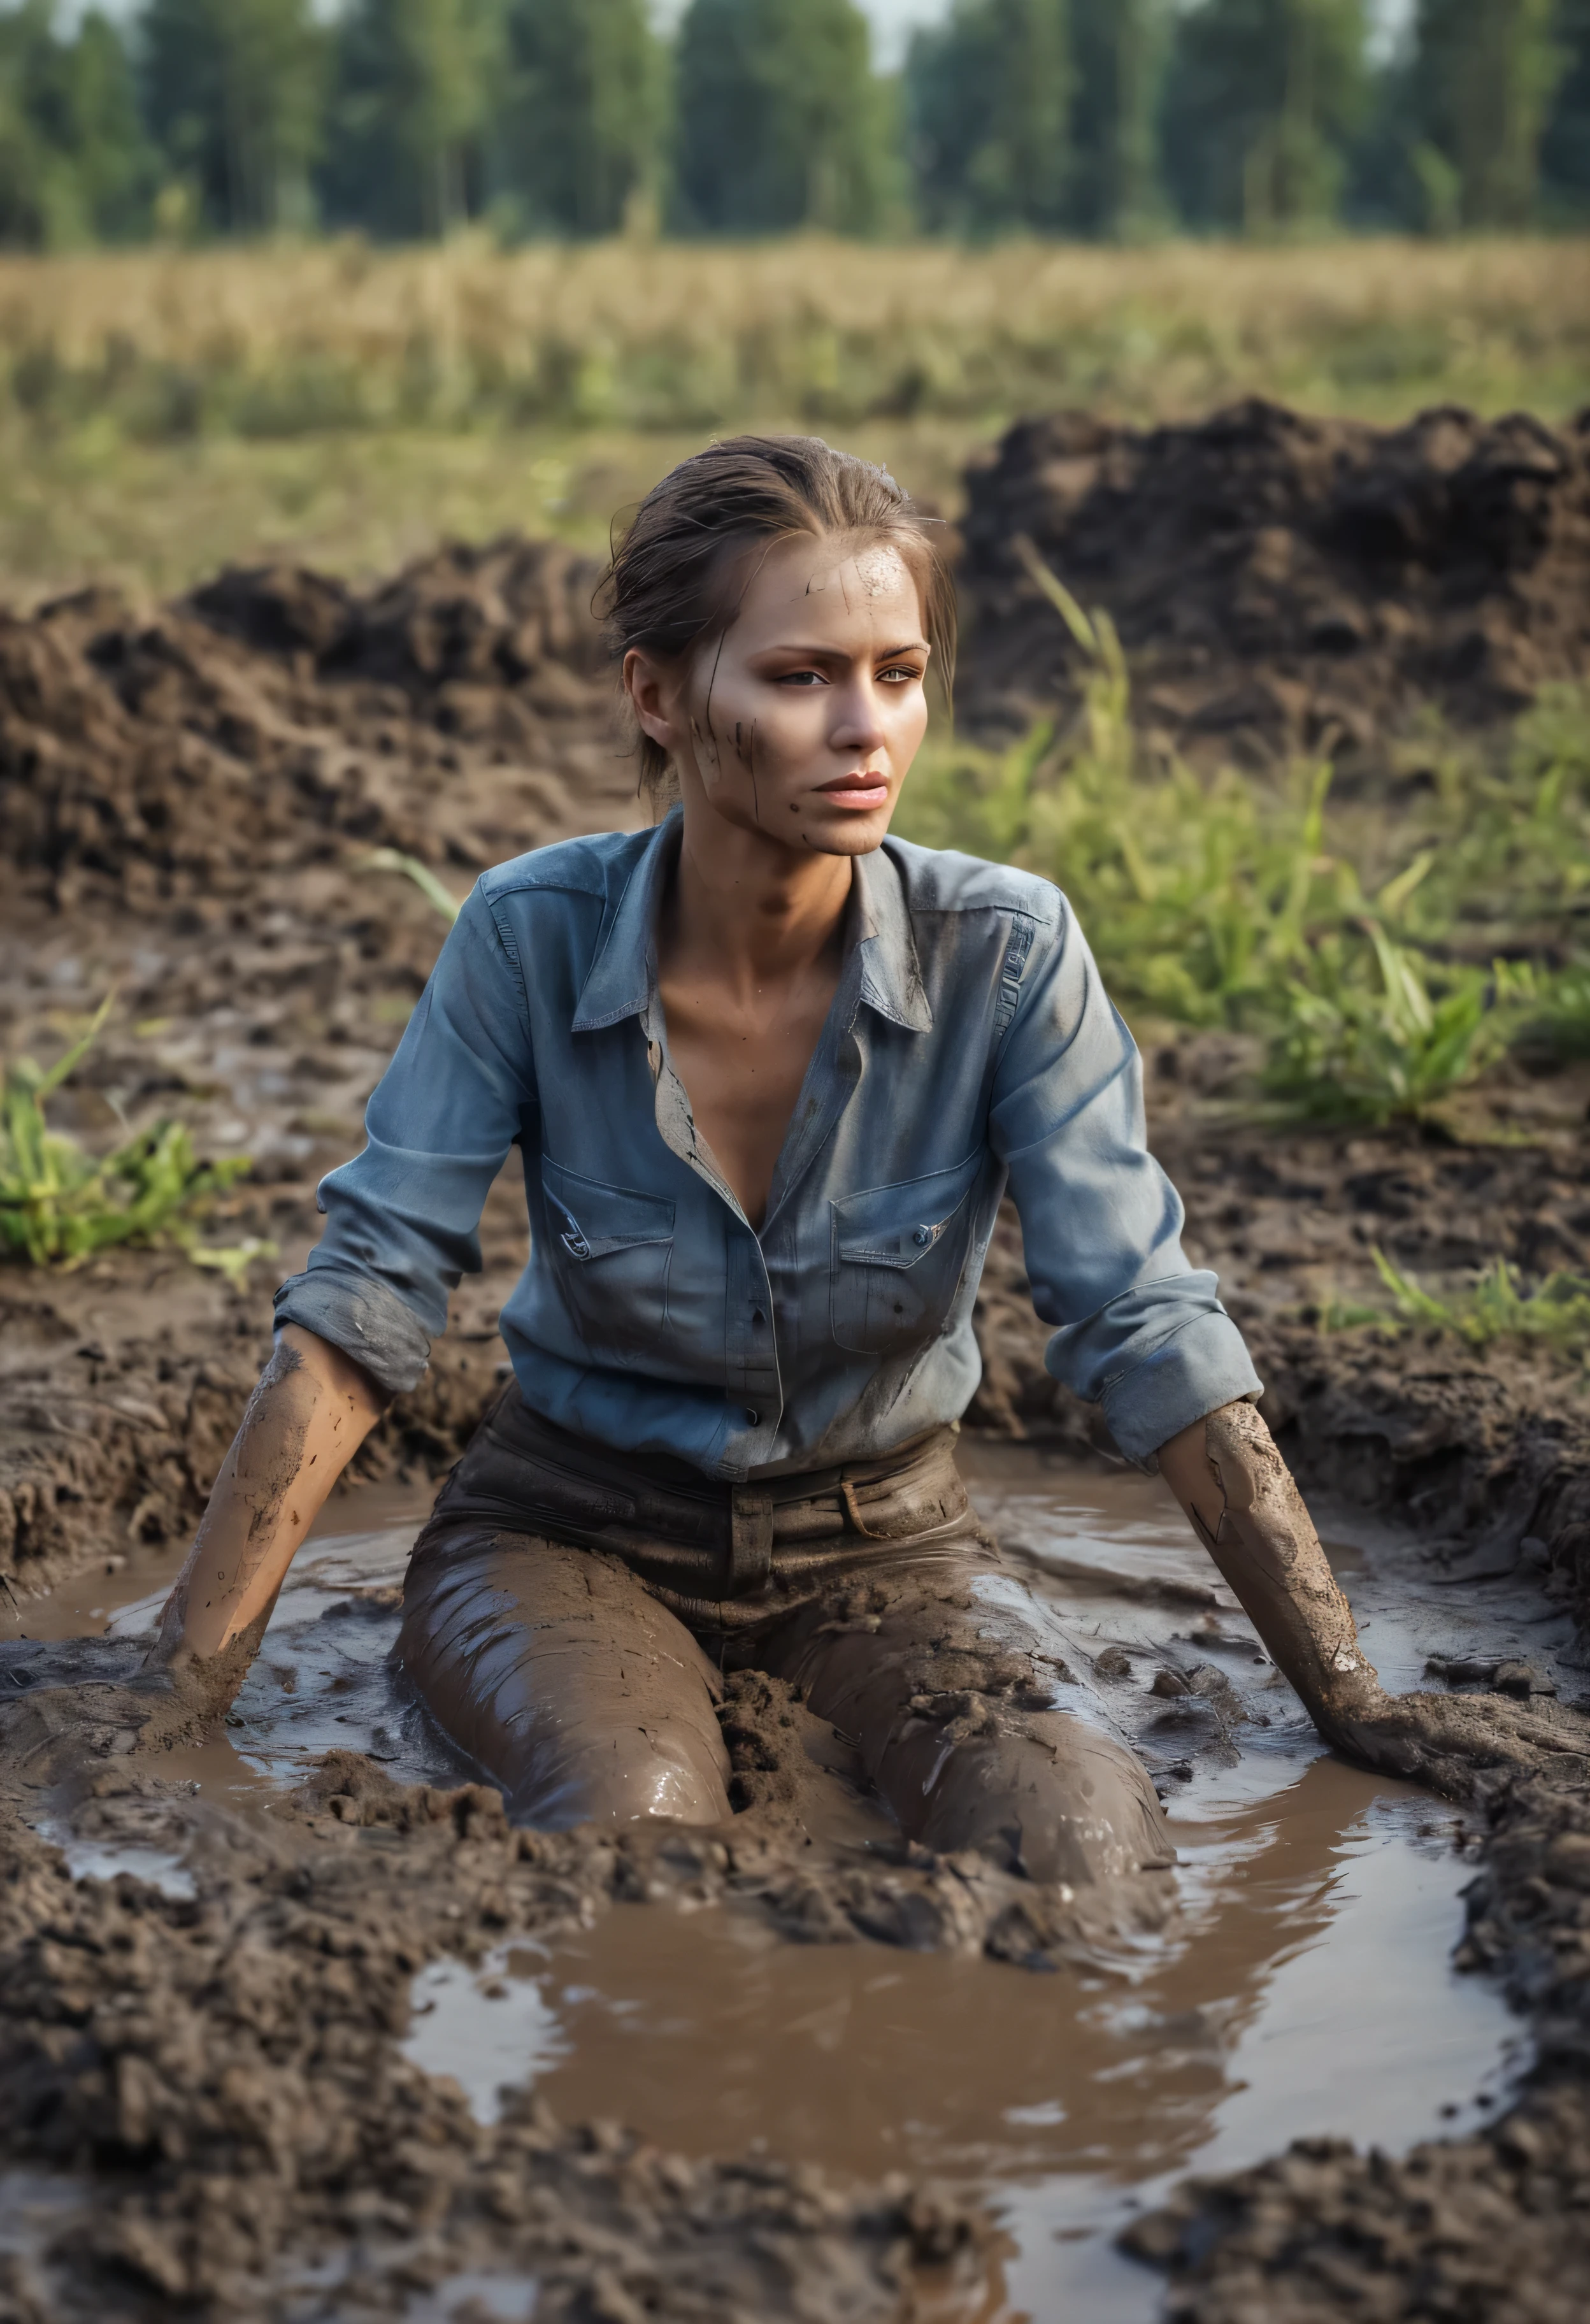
<point x="185" y="796"/>
<point x="1296" y="1992"/>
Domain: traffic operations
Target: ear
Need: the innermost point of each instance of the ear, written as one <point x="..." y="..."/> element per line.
<point x="652" y="687"/>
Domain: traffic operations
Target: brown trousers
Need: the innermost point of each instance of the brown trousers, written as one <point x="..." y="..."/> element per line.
<point x="568" y="1610"/>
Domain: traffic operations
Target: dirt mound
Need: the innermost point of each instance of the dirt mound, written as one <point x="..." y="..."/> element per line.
<point x="276" y="715"/>
<point x="1284" y="583"/>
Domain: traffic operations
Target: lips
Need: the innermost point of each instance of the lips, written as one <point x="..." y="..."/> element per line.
<point x="859" y="791"/>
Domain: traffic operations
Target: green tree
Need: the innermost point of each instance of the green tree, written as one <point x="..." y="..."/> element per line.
<point x="235" y="91"/>
<point x="781" y="119"/>
<point x="988" y="100"/>
<point x="1121" y="51"/>
<point x="1565" y="152"/>
<point x="116" y="164"/>
<point x="75" y="164"/>
<point x="414" y="91"/>
<point x="1262" y="102"/>
<point x="577" y="130"/>
<point x="29" y="168"/>
<point x="1486" y="73"/>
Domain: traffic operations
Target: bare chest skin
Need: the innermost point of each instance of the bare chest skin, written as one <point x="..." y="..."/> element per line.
<point x="743" y="1056"/>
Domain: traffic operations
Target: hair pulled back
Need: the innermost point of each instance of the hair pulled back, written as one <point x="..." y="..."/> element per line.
<point x="675" y="579"/>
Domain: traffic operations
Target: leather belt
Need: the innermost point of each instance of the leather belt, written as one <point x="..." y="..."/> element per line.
<point x="751" y="1536"/>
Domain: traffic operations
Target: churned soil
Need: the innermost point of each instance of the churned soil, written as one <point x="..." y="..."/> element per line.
<point x="209" y="2088"/>
<point x="215" y="2118"/>
<point x="1283" y="585"/>
<point x="188" y="797"/>
<point x="170" y="759"/>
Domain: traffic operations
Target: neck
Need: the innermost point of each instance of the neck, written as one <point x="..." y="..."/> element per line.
<point x="760" y="911"/>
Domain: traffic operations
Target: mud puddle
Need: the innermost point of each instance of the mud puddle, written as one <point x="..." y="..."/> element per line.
<point x="321" y="1683"/>
<point x="1306" y="1991"/>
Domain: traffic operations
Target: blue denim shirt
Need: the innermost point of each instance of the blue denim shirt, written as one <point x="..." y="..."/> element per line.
<point x="971" y="1048"/>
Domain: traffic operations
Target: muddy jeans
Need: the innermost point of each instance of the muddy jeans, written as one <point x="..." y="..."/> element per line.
<point x="568" y="1610"/>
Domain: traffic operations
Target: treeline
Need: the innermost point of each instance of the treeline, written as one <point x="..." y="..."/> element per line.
<point x="1111" y="118"/>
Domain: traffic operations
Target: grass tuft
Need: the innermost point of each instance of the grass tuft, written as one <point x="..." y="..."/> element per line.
<point x="58" y="1206"/>
<point x="1498" y="1305"/>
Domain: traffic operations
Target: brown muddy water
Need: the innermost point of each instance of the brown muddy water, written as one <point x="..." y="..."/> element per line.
<point x="1306" y="1991"/>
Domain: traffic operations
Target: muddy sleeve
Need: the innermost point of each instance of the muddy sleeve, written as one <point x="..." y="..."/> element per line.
<point x="402" y="1218"/>
<point x="1140" y="1332"/>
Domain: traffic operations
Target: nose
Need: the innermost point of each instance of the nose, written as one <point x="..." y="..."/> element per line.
<point x="858" y="724"/>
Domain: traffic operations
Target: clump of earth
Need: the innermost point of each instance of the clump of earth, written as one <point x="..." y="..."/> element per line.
<point x="187" y="801"/>
<point x="1283" y="584"/>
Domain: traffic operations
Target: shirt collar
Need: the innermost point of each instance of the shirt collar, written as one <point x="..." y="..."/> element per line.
<point x="623" y="977"/>
<point x="624" y="972"/>
<point x="891" y="973"/>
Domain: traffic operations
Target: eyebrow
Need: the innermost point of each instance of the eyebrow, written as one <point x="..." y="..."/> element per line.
<point x="836" y="653"/>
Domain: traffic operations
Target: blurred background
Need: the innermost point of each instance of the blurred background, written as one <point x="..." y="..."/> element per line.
<point x="350" y="277"/>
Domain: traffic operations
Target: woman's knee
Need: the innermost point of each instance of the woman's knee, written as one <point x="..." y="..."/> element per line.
<point x="947" y="1698"/>
<point x="1045" y="1795"/>
<point x="553" y="1670"/>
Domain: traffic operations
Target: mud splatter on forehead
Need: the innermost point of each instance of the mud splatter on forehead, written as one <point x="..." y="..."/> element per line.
<point x="872" y="571"/>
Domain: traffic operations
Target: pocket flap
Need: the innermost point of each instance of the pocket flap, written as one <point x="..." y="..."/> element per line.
<point x="897" y="1226"/>
<point x="592" y="1220"/>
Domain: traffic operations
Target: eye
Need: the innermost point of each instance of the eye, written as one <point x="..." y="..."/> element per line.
<point x="898" y="674"/>
<point x="806" y="677"/>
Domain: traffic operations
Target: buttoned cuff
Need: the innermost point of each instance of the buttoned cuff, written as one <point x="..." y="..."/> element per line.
<point x="362" y="1316"/>
<point x="1196" y="1369"/>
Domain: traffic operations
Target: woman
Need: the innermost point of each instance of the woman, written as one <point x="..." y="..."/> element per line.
<point x="771" y="1073"/>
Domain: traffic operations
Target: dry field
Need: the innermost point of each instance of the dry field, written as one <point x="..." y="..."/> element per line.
<point x="162" y="411"/>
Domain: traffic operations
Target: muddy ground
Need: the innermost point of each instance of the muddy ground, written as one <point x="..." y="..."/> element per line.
<point x="186" y="794"/>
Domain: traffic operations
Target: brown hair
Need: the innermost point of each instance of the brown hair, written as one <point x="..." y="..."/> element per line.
<point x="667" y="588"/>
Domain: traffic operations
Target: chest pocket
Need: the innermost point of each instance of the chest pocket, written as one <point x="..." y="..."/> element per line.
<point x="610" y="1250"/>
<point x="899" y="1255"/>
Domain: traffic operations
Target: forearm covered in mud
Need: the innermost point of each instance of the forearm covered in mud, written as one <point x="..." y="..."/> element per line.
<point x="1245" y="1509"/>
<point x="311" y="1411"/>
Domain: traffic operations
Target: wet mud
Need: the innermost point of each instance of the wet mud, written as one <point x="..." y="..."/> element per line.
<point x="201" y="2062"/>
<point x="209" y="2053"/>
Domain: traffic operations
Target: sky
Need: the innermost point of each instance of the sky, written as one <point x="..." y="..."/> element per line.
<point x="893" y="21"/>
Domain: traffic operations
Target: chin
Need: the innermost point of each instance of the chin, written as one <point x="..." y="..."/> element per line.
<point x="850" y="835"/>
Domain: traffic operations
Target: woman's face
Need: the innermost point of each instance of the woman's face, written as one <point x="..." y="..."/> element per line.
<point x="800" y="722"/>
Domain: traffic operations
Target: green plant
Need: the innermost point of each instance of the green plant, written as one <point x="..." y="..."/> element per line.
<point x="1217" y="901"/>
<point x="1509" y="830"/>
<point x="1497" y="1306"/>
<point x="1196" y="895"/>
<point x="392" y="859"/>
<point x="1557" y="1027"/>
<point x="58" y="1206"/>
<point x="1368" y="1046"/>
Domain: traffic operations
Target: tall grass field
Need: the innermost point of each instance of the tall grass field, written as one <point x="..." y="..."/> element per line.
<point x="161" y="409"/>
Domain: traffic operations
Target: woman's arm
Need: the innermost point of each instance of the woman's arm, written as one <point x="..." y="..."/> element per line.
<point x="313" y="1408"/>
<point x="1245" y="1509"/>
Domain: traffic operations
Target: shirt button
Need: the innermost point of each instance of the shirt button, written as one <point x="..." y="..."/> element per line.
<point x="922" y="1236"/>
<point x="753" y="1415"/>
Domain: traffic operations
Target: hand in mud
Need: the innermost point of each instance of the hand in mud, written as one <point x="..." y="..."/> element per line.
<point x="92" y="1718"/>
<point x="1447" y="1741"/>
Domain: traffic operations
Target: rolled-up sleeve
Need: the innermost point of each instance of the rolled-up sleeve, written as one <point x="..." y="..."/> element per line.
<point x="1140" y="1332"/>
<point x="403" y="1217"/>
